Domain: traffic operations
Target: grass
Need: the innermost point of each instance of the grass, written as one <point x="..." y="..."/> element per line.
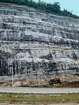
<point x="13" y="97"/>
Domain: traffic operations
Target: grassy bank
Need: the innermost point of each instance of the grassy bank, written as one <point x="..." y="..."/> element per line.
<point x="31" y="98"/>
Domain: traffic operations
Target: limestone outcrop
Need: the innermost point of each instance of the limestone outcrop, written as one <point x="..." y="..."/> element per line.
<point x="34" y="44"/>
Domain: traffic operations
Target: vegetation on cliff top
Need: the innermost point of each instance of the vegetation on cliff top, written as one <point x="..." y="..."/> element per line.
<point x="43" y="6"/>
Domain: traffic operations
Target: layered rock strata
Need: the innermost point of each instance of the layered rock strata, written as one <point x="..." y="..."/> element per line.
<point x="34" y="44"/>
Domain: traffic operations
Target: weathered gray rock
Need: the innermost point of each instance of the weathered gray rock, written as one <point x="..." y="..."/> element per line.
<point x="31" y="41"/>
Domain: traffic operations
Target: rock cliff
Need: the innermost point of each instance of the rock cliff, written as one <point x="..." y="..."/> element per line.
<point x="37" y="45"/>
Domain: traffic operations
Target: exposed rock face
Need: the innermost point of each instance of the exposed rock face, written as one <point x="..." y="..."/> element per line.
<point x="37" y="45"/>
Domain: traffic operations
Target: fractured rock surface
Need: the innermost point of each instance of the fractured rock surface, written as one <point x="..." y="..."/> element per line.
<point x="34" y="44"/>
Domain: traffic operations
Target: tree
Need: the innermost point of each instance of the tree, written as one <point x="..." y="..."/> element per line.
<point x="39" y="1"/>
<point x="26" y="2"/>
<point x="56" y="7"/>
